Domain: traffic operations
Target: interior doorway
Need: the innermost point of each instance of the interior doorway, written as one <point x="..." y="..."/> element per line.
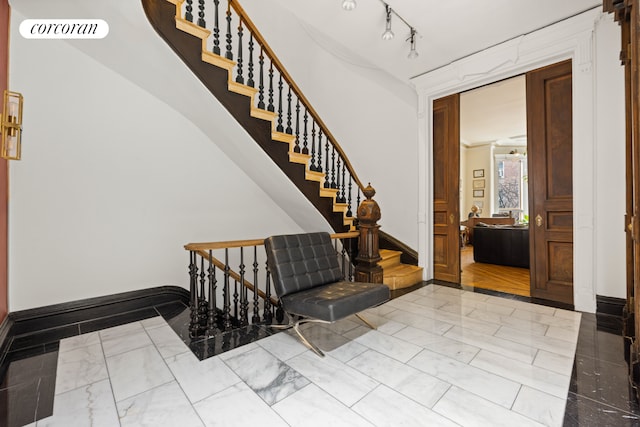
<point x="493" y="189"/>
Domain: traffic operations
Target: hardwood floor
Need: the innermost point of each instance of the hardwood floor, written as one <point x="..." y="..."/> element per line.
<point x="512" y="280"/>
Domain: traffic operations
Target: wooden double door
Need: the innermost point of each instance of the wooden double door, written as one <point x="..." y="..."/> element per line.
<point x="549" y="141"/>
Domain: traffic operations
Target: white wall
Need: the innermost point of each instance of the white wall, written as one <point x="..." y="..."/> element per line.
<point x="610" y="161"/>
<point x="112" y="183"/>
<point x="372" y="115"/>
<point x="479" y="157"/>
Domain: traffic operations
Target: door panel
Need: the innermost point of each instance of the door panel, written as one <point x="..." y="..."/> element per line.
<point x="446" y="181"/>
<point x="550" y="141"/>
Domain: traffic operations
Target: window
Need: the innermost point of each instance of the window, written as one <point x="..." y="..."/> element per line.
<point x="511" y="187"/>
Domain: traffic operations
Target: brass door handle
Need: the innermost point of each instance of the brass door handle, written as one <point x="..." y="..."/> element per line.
<point x="452" y="218"/>
<point x="538" y="220"/>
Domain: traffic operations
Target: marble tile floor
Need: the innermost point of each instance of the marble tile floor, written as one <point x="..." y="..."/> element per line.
<point x="440" y="356"/>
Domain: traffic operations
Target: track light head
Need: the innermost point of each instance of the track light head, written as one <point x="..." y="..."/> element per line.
<point x="349" y="4"/>
<point x="388" y="34"/>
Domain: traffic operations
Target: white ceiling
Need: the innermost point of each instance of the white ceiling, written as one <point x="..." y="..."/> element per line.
<point x="447" y="30"/>
<point x="494" y="112"/>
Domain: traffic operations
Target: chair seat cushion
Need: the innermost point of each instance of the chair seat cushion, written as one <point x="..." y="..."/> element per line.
<point x="336" y="300"/>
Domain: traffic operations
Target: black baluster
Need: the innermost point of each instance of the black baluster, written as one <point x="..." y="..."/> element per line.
<point x="267" y="314"/>
<point x="188" y="15"/>
<point x="193" y="291"/>
<point x="216" y="29"/>
<point x="288" y="129"/>
<point x="244" y="300"/>
<point x="337" y="182"/>
<point x="333" y="167"/>
<point x="358" y="201"/>
<point x="229" y="54"/>
<point x="202" y="301"/>
<point x="319" y="163"/>
<point x="256" y="309"/>
<point x="313" y="145"/>
<point x="349" y="211"/>
<point x="279" y="128"/>
<point x="235" y="299"/>
<point x="239" y="78"/>
<point x="261" y="85"/>
<point x="327" y="181"/>
<point x="226" y="310"/>
<point x="296" y="147"/>
<point x="270" y="107"/>
<point x="305" y="150"/>
<point x="250" y="81"/>
<point x="343" y="197"/>
<point x="211" y="318"/>
<point x="201" y="21"/>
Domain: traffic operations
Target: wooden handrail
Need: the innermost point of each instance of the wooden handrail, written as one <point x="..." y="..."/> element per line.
<point x="235" y="276"/>
<point x="254" y="242"/>
<point x="274" y="59"/>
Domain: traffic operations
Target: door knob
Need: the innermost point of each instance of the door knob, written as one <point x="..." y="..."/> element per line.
<point x="538" y="220"/>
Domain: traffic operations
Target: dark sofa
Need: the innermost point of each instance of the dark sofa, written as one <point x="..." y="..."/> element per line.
<point x="502" y="245"/>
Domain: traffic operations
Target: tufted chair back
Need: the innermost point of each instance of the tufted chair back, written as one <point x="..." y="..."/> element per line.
<point x="301" y="261"/>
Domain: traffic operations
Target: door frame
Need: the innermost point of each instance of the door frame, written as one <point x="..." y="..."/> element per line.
<point x="569" y="39"/>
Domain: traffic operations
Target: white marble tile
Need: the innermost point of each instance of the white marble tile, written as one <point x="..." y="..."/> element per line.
<point x="339" y="380"/>
<point x="385" y="407"/>
<point x="79" y="341"/>
<point x="468" y="409"/>
<point x="122" y="343"/>
<point x="547" y="319"/>
<point x="554" y="362"/>
<point x="221" y="409"/>
<point x="576" y="316"/>
<point x="322" y="337"/>
<point x="455" y="308"/>
<point x="430" y="301"/>
<point x="165" y="405"/>
<point x="137" y="371"/>
<point x="439" y="344"/>
<point x="313" y="407"/>
<point x="344" y="325"/>
<point x="542" y="407"/>
<point x="167" y="341"/>
<point x="117" y="331"/>
<point x="521" y="305"/>
<point x="421" y="322"/>
<point x="499" y="345"/>
<point x="347" y="351"/>
<point x="562" y="334"/>
<point x="490" y="386"/>
<point x="385" y="344"/>
<point x="381" y="310"/>
<point x="89" y="405"/>
<point x="153" y="322"/>
<point x="79" y="367"/>
<point x="382" y="324"/>
<point x="267" y="376"/>
<point x="554" y="345"/>
<point x="283" y="345"/>
<point x="238" y="350"/>
<point x="201" y="379"/>
<point x="510" y="321"/>
<point x="402" y="378"/>
<point x="523" y="373"/>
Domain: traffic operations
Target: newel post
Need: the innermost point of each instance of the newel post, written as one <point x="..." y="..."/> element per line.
<point x="367" y="268"/>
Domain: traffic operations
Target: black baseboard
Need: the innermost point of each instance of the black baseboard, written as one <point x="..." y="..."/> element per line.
<point x="66" y="318"/>
<point x="609" y="314"/>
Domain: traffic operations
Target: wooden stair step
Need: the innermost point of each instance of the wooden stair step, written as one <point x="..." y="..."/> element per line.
<point x="402" y="276"/>
<point x="389" y="258"/>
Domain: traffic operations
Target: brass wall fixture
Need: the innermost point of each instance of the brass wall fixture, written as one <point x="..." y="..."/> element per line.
<point x="11" y="125"/>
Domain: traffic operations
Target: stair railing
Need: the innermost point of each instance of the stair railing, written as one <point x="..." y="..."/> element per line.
<point x="256" y="66"/>
<point x="222" y="298"/>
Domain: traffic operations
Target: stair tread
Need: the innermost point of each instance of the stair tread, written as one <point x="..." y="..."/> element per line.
<point x="401" y="270"/>
<point x="388" y="253"/>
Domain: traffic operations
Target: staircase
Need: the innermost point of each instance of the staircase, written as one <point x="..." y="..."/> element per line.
<point x="395" y="274"/>
<point x="244" y="74"/>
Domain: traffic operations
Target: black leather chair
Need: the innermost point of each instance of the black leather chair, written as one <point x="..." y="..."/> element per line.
<point x="308" y="280"/>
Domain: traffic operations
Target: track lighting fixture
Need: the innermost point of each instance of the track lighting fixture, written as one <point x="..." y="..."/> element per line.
<point x="349" y="4"/>
<point x="412" y="38"/>
<point x="388" y="34"/>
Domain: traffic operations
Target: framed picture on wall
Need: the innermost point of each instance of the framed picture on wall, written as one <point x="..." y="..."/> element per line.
<point x="478" y="183"/>
<point x="478" y="193"/>
<point x="478" y="173"/>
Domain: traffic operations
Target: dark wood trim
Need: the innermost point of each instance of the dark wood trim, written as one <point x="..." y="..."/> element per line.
<point x="31" y="321"/>
<point x="387" y="241"/>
